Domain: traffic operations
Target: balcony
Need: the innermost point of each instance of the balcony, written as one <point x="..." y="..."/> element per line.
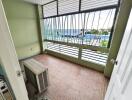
<point x="82" y="37"/>
<point x="82" y="34"/>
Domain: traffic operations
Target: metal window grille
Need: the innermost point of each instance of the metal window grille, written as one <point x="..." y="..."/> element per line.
<point x="94" y="56"/>
<point x="65" y="7"/>
<point x="63" y="49"/>
<point x="80" y="22"/>
<point x="92" y="28"/>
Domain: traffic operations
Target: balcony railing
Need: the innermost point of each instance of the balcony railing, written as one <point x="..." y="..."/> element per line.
<point x="86" y="28"/>
<point x="85" y="34"/>
<point x="86" y="54"/>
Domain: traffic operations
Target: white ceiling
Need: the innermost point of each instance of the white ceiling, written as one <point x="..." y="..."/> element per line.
<point x="41" y="2"/>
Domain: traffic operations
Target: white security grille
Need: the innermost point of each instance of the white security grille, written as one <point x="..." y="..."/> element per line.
<point x="81" y="22"/>
<point x="60" y="7"/>
<point x="53" y="46"/>
<point x="63" y="49"/>
<point x="68" y="50"/>
<point x="94" y="56"/>
<point x="91" y="4"/>
<point x="92" y="28"/>
<point x="87" y="55"/>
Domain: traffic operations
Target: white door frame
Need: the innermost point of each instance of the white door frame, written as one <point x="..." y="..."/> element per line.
<point x="120" y="86"/>
<point x="9" y="59"/>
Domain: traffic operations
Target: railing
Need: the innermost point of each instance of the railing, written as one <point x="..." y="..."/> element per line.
<point x="64" y="49"/>
<point x="79" y="53"/>
<point x="86" y="28"/>
<point x="84" y="36"/>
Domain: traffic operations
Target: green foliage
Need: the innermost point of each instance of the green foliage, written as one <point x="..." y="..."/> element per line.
<point x="104" y="43"/>
<point x="100" y="32"/>
<point x="87" y="32"/>
<point x="94" y="31"/>
<point x="104" y="31"/>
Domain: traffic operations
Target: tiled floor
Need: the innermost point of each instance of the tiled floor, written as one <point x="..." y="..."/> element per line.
<point x="70" y="81"/>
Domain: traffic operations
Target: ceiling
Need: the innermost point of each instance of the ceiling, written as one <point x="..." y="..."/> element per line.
<point x="41" y="2"/>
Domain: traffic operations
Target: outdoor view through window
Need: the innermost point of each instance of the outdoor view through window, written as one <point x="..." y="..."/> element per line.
<point x="92" y="28"/>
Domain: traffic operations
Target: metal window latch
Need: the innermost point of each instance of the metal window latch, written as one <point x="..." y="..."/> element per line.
<point x="19" y="73"/>
<point x="113" y="61"/>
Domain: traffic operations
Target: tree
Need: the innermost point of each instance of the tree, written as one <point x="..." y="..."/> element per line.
<point x="94" y="31"/>
<point x="103" y="32"/>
